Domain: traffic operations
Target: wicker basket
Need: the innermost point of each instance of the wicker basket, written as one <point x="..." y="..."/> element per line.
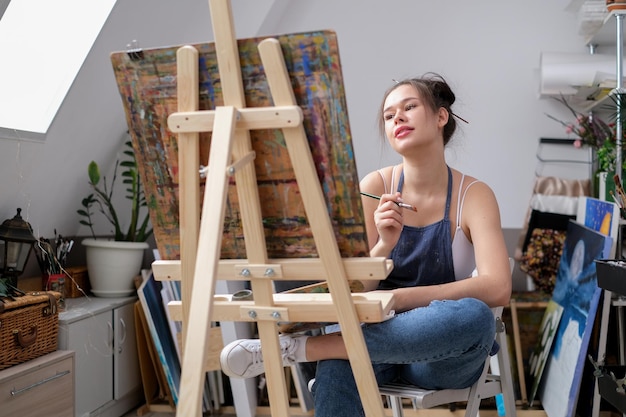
<point x="77" y="286"/>
<point x="29" y="326"/>
<point x="80" y="278"/>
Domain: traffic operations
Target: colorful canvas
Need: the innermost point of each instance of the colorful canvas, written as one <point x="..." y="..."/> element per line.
<point x="577" y="292"/>
<point x="147" y="85"/>
<point x="601" y="216"/>
<point x="547" y="332"/>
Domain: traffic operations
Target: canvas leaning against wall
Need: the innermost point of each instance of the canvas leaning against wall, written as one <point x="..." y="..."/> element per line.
<point x="576" y="292"/>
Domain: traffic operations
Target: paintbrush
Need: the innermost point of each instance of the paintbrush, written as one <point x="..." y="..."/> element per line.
<point x="403" y="205"/>
<point x="620" y="189"/>
<point x="617" y="201"/>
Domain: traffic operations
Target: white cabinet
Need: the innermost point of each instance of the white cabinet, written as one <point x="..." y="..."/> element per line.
<point x="101" y="332"/>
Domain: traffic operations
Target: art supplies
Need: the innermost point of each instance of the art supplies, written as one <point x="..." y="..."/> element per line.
<point x="620" y="198"/>
<point x="403" y="205"/>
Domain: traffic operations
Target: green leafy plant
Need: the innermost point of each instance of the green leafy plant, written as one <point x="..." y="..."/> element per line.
<point x="607" y="157"/>
<point x="8" y="287"/>
<point x="101" y="200"/>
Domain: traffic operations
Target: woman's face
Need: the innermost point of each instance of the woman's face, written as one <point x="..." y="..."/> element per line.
<point x="409" y="121"/>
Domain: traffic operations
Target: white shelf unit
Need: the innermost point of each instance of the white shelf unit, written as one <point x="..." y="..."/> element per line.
<point x="584" y="98"/>
<point x="614" y="22"/>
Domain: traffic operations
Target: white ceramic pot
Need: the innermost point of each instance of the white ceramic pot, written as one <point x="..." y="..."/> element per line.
<point x="113" y="265"/>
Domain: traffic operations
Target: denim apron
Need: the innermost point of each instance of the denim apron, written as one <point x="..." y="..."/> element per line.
<point x="423" y="255"/>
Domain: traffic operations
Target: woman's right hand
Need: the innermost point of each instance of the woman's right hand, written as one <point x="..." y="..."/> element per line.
<point x="389" y="223"/>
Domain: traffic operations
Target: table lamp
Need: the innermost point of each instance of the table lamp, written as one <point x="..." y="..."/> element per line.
<point x="16" y="243"/>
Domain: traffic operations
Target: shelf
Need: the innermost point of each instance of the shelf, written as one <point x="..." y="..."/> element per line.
<point x="584" y="79"/>
<point x="580" y="101"/>
<point x="605" y="36"/>
<point x="586" y="96"/>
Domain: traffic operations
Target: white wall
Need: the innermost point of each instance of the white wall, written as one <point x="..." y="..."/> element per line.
<point x="488" y="50"/>
<point x="48" y="179"/>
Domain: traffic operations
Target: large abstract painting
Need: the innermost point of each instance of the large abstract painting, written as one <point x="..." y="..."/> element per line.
<point x="147" y="84"/>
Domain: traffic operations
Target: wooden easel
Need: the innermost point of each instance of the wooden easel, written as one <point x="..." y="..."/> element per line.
<point x="201" y="235"/>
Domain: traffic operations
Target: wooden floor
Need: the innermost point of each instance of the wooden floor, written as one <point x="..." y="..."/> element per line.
<point x="297" y="412"/>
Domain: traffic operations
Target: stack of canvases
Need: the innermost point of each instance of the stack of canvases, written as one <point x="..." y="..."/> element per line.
<point x="29" y="326"/>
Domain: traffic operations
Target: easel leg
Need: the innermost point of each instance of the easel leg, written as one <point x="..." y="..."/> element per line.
<point x="188" y="176"/>
<point x="209" y="244"/>
<point x="518" y="353"/>
<point x="244" y="390"/>
<point x="325" y="241"/>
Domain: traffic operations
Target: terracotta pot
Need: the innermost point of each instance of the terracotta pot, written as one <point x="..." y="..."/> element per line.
<point x="615" y="5"/>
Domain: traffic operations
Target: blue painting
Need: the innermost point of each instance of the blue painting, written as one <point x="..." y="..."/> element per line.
<point x="576" y="290"/>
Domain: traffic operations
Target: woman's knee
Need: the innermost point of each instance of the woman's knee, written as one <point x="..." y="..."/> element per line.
<point x="476" y="311"/>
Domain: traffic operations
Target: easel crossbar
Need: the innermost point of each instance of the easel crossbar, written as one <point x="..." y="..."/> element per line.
<point x="296" y="269"/>
<point x="278" y="117"/>
<point x="305" y="308"/>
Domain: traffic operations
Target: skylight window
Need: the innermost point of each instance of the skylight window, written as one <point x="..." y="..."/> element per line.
<point x="43" y="44"/>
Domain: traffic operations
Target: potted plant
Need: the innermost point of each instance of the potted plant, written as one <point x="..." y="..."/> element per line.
<point x="113" y="263"/>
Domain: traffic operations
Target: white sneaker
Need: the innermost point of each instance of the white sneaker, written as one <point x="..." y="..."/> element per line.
<point x="243" y="358"/>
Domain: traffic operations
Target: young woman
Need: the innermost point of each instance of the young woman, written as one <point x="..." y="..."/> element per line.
<point x="443" y="329"/>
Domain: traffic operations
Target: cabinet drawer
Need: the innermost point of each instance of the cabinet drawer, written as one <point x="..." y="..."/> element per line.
<point x="40" y="387"/>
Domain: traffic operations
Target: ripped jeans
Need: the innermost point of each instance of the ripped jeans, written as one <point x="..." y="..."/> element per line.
<point x="443" y="345"/>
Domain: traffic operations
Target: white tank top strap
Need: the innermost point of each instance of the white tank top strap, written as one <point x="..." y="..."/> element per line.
<point x="382" y="176"/>
<point x="461" y="199"/>
<point x="393" y="178"/>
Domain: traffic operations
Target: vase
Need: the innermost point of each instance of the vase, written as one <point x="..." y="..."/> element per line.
<point x="606" y="185"/>
<point x="113" y="266"/>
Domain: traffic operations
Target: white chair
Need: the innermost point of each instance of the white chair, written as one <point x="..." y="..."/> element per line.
<point x="488" y="385"/>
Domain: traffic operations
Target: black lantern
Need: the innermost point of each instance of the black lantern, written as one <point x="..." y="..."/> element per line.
<point x="16" y="242"/>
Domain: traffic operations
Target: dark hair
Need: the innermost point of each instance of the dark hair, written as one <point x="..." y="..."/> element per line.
<point x="435" y="92"/>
